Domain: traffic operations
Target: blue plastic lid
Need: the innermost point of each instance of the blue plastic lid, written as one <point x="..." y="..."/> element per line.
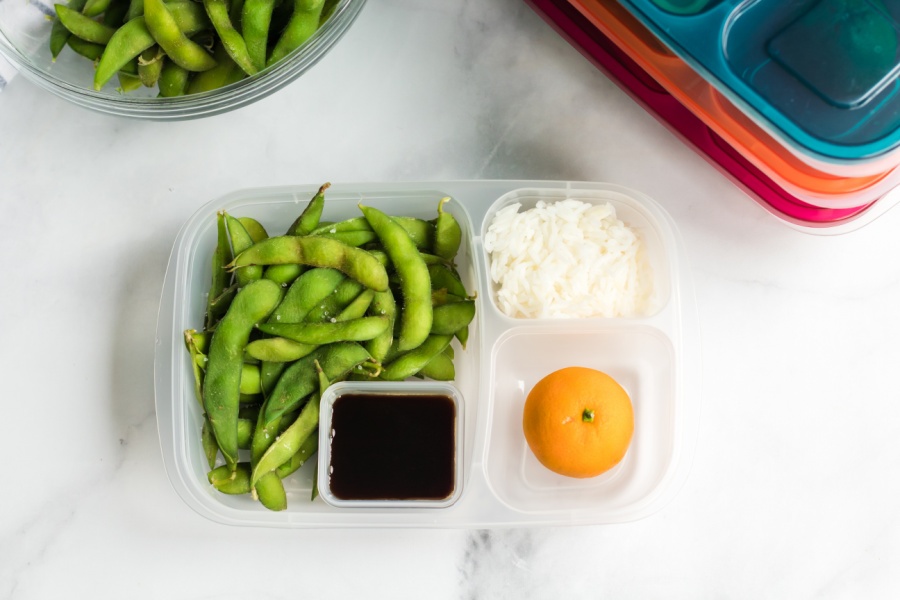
<point x="822" y="73"/>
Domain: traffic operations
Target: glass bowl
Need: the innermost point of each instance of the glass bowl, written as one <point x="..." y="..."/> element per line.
<point x="24" y="41"/>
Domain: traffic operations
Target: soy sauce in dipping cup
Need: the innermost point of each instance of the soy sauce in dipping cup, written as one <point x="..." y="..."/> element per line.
<point x="385" y="444"/>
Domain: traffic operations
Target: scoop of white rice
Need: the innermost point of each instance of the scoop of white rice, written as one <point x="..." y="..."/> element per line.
<point x="566" y="259"/>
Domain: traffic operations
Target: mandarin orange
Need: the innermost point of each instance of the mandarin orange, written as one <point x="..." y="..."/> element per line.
<point x="578" y="422"/>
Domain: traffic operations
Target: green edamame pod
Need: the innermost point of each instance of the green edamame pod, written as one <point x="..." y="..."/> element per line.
<point x="450" y="318"/>
<point x="150" y="65"/>
<point x="254" y="228"/>
<point x="221" y="386"/>
<point x="89" y="50"/>
<point x="327" y="11"/>
<point x="301" y="26"/>
<point x="270" y="492"/>
<point x="447" y="233"/>
<point x="231" y="40"/>
<point x="439" y="368"/>
<point x="128" y="82"/>
<point x="59" y="35"/>
<point x="222" y="253"/>
<point x="289" y="442"/>
<point x="307" y="449"/>
<point x="134" y="37"/>
<point x="283" y="274"/>
<point x="415" y="284"/>
<point x="420" y="231"/>
<point x="299" y="379"/>
<point x="210" y="446"/>
<point x="245" y="433"/>
<point x="84" y="27"/>
<point x="219" y="305"/>
<point x="277" y="349"/>
<point x="240" y="241"/>
<point x="135" y="9"/>
<point x="177" y="46"/>
<point x="358" y="307"/>
<point x="250" y="381"/>
<point x="351" y="238"/>
<point x="192" y="341"/>
<point x="463" y="336"/>
<point x="383" y="304"/>
<point x="269" y="372"/>
<point x="407" y="365"/>
<point x="256" y="16"/>
<point x="444" y="278"/>
<point x="331" y="306"/>
<point x="94" y="8"/>
<point x="309" y="218"/>
<point x="228" y="480"/>
<point x="316" y="252"/>
<point x="173" y="80"/>
<point x="308" y="291"/>
<point x="318" y="334"/>
<point x="302" y="225"/>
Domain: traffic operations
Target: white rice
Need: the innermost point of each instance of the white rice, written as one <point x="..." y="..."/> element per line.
<point x="567" y="259"/>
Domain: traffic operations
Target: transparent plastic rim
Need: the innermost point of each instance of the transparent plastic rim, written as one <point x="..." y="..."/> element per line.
<point x="201" y="105"/>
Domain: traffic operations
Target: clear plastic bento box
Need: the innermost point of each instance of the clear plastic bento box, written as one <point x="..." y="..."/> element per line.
<point x="654" y="356"/>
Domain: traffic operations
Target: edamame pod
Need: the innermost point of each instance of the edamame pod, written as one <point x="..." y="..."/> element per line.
<point x="308" y="291"/>
<point x="307" y="449"/>
<point x="448" y="234"/>
<point x="289" y="442"/>
<point x="407" y="365"/>
<point x="256" y="16"/>
<point x="59" y="35"/>
<point x="178" y="47"/>
<point x="230" y="480"/>
<point x="316" y="252"/>
<point x="89" y="50"/>
<point x="450" y="318"/>
<point x="173" y="80"/>
<point x="150" y="65"/>
<point x="415" y="284"/>
<point x="221" y="386"/>
<point x="270" y="492"/>
<point x="254" y="228"/>
<point x="439" y="368"/>
<point x="231" y="40"/>
<point x="299" y="379"/>
<point x="84" y="27"/>
<point x="318" y="334"/>
<point x="331" y="306"/>
<point x="277" y="349"/>
<point x="302" y="25"/>
<point x="383" y="304"/>
<point x="240" y="241"/>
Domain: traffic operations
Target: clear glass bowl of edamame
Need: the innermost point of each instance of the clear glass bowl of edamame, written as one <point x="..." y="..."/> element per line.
<point x="27" y="28"/>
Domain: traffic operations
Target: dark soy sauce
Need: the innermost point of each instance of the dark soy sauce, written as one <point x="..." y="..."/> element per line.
<point x="393" y="447"/>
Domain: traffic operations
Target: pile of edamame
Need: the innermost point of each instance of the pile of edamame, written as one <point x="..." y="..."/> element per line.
<point x="184" y="46"/>
<point x="371" y="297"/>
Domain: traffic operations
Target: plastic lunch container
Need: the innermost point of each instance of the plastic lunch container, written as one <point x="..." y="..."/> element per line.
<point x="24" y="40"/>
<point x="631" y="56"/>
<point x="655" y="357"/>
<point x="794" y="175"/>
<point x="819" y="75"/>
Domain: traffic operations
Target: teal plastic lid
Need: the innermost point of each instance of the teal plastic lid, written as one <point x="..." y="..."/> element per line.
<point x="821" y="75"/>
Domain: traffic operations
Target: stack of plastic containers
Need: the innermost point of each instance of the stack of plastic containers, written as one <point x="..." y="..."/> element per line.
<point x="798" y="101"/>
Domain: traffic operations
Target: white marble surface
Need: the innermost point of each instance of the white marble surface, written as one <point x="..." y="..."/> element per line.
<point x="793" y="491"/>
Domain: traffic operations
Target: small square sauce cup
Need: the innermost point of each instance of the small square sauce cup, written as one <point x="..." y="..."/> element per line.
<point x="391" y="444"/>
